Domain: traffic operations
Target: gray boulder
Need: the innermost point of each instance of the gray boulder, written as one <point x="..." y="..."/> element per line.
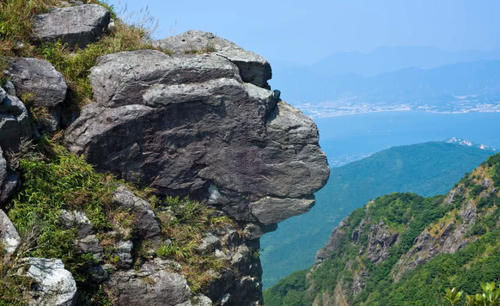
<point x="8" y="180"/>
<point x="252" y="67"/>
<point x="14" y="122"/>
<point x="39" y="78"/>
<point x="53" y="284"/>
<point x="45" y="86"/>
<point x="189" y="125"/>
<point x="9" y="238"/>
<point x="151" y="284"/>
<point x="145" y="222"/>
<point x="76" y="25"/>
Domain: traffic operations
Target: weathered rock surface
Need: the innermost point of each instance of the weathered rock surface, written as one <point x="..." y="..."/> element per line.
<point x="271" y="210"/>
<point x="253" y="68"/>
<point x="39" y="78"/>
<point x="76" y="25"/>
<point x="53" y="284"/>
<point x="189" y="125"/>
<point x="14" y="122"/>
<point x="151" y="284"/>
<point x="9" y="238"/>
<point x="145" y="222"/>
<point x="42" y="84"/>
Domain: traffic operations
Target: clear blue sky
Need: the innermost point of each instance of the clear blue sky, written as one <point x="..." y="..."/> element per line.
<point x="303" y="32"/>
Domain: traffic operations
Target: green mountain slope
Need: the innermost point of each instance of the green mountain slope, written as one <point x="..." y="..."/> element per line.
<point x="427" y="169"/>
<point x="403" y="249"/>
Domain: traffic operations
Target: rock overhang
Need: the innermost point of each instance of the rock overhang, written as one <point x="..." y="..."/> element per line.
<point x="189" y="124"/>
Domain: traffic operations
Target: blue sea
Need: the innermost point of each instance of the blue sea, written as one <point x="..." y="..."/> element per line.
<point x="348" y="138"/>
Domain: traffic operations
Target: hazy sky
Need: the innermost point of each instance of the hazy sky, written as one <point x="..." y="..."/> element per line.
<point x="303" y="32"/>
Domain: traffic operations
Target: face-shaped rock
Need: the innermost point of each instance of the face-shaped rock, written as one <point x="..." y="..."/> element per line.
<point x="189" y="125"/>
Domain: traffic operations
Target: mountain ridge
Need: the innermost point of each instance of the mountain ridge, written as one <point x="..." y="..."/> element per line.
<point x="402" y="248"/>
<point x="428" y="169"/>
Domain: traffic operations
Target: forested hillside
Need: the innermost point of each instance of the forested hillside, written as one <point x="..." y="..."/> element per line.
<point x="403" y="249"/>
<point x="427" y="169"/>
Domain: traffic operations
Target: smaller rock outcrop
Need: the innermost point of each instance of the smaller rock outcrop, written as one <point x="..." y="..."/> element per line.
<point x="39" y="82"/>
<point x="9" y="238"/>
<point x="334" y="242"/>
<point x="145" y="223"/>
<point x="8" y="180"/>
<point x="53" y="285"/>
<point x="14" y="122"/>
<point x="151" y="284"/>
<point x="75" y="25"/>
<point x="253" y="68"/>
<point x="380" y="240"/>
<point x="77" y="220"/>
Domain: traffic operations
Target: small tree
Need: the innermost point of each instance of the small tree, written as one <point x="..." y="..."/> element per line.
<point x="489" y="297"/>
<point x="453" y="296"/>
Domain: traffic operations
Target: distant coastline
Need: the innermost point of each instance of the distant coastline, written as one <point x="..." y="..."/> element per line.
<point x="337" y="109"/>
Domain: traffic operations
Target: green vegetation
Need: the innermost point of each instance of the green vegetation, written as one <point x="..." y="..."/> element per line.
<point x="408" y="215"/>
<point x="186" y="224"/>
<point x="55" y="179"/>
<point x="289" y="291"/>
<point x="427" y="169"/>
<point x="490" y="296"/>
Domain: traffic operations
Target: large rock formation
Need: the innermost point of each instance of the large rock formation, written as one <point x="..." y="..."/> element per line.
<point x="200" y="122"/>
<point x="190" y="125"/>
<point x="76" y="25"/>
